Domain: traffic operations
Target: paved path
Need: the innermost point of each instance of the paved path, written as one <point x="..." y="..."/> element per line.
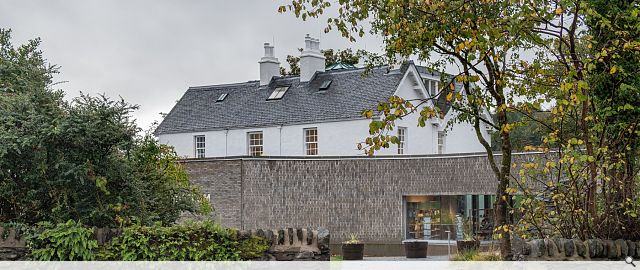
<point x="429" y="258"/>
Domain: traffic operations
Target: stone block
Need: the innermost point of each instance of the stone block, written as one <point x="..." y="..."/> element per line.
<point x="623" y="248"/>
<point x="323" y="239"/>
<point x="613" y="250"/>
<point x="538" y="248"/>
<point x="559" y="245"/>
<point x="581" y="248"/>
<point x="552" y="249"/>
<point x="569" y="247"/>
<point x="631" y="251"/>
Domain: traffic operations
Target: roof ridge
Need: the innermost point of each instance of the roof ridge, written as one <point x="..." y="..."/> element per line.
<point x="223" y="85"/>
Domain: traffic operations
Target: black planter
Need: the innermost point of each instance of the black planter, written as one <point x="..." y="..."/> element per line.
<point x="352" y="251"/>
<point x="467" y="245"/>
<point x="416" y="249"/>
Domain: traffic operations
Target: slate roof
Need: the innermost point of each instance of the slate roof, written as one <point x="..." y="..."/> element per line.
<point x="247" y="106"/>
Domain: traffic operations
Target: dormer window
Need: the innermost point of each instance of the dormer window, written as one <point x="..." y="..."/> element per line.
<point x="432" y="86"/>
<point x="278" y="93"/>
<point x="325" y="85"/>
<point x="222" y="97"/>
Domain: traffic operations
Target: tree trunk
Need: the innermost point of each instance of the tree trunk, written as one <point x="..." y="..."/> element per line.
<point x="502" y="197"/>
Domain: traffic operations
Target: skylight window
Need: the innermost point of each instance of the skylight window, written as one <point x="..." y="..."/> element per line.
<point x="222" y="97"/>
<point x="278" y="93"/>
<point x="325" y="85"/>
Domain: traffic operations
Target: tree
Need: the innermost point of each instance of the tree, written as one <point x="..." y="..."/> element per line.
<point x="331" y="57"/>
<point x="80" y="160"/>
<point x="529" y="132"/>
<point x="592" y="184"/>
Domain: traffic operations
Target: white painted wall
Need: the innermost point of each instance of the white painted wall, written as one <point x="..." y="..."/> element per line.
<point x="461" y="138"/>
<point x="334" y="138"/>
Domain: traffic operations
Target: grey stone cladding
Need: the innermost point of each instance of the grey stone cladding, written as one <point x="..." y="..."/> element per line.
<point x="358" y="195"/>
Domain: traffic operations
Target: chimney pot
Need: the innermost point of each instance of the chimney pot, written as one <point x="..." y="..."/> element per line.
<point x="311" y="60"/>
<point x="269" y="64"/>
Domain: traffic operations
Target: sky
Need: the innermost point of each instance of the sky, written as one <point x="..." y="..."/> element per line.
<point x="150" y="52"/>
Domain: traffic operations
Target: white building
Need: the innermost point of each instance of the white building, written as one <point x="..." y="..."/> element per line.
<point x="316" y="113"/>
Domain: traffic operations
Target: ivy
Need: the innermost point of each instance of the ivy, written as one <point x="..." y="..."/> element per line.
<point x="68" y="241"/>
<point x="191" y="241"/>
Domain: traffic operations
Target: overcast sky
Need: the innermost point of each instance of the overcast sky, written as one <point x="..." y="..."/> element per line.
<point x="150" y="52"/>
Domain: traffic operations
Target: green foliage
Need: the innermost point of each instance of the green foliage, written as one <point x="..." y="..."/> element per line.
<point x="353" y="239"/>
<point x="253" y="247"/>
<point x="332" y="56"/>
<point x="192" y="241"/>
<point x="475" y="255"/>
<point x="19" y="228"/>
<point x="79" y="160"/>
<point x="68" y="241"/>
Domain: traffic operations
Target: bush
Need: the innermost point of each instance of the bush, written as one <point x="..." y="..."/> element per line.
<point x="192" y="241"/>
<point x="475" y="255"/>
<point x="253" y="247"/>
<point x="63" y="242"/>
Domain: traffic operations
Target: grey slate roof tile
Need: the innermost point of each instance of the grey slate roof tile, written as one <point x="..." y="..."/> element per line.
<point x="247" y="106"/>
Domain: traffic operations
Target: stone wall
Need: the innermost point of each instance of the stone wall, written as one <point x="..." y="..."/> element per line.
<point x="359" y="195"/>
<point x="12" y="246"/>
<point x="294" y="244"/>
<point x="555" y="249"/>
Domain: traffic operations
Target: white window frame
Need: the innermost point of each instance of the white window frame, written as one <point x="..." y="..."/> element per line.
<point x="255" y="150"/>
<point x="440" y="141"/>
<point x="278" y="93"/>
<point x="199" y="147"/>
<point x="402" y="137"/>
<point x="432" y="86"/>
<point x="310" y="141"/>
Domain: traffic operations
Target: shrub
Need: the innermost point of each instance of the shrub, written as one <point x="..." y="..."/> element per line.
<point x="252" y="247"/>
<point x="475" y="255"/>
<point x="191" y="241"/>
<point x="63" y="242"/>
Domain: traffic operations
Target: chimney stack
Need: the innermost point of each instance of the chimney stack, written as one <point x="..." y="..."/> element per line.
<point x="311" y="59"/>
<point x="399" y="60"/>
<point x="269" y="65"/>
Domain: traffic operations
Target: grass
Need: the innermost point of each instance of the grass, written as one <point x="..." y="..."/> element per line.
<point x="336" y="258"/>
<point x="475" y="255"/>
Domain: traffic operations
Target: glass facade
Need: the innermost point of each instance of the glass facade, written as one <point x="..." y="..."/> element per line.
<point x="431" y="217"/>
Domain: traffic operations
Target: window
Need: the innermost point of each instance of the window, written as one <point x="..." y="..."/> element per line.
<point x="402" y="138"/>
<point x="278" y="93"/>
<point x="325" y="85"/>
<point x="199" y="141"/>
<point x="255" y="144"/>
<point x="441" y="135"/>
<point x="222" y="97"/>
<point x="311" y="141"/>
<point x="432" y="86"/>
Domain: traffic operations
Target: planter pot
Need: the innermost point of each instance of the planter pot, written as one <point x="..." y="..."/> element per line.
<point x="467" y="245"/>
<point x="352" y="251"/>
<point x="416" y="249"/>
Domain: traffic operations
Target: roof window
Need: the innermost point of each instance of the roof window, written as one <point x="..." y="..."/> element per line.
<point x="325" y="85"/>
<point x="278" y="93"/>
<point x="222" y="97"/>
